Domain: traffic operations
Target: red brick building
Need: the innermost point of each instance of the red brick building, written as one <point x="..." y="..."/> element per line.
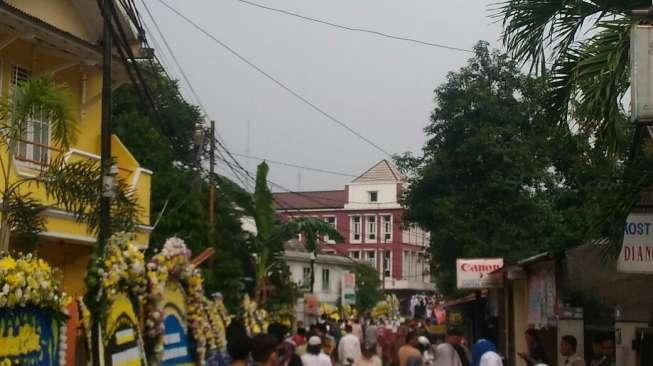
<point x="368" y="215"/>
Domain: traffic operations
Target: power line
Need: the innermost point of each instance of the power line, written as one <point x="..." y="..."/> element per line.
<point x="275" y="80"/>
<point x="174" y="57"/>
<point x="355" y="29"/>
<point x="319" y="170"/>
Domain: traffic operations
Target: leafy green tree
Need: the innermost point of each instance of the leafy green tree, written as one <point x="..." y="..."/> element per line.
<point x="368" y="286"/>
<point x="311" y="228"/>
<point x="179" y="191"/>
<point x="492" y="181"/>
<point x="74" y="186"/>
<point x="590" y="70"/>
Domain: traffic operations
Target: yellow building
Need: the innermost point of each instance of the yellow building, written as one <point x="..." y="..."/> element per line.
<point x="62" y="38"/>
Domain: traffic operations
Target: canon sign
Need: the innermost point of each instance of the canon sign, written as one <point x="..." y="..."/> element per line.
<point x="475" y="273"/>
<point x="487" y="268"/>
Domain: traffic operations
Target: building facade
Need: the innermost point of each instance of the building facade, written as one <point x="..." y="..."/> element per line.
<point x="329" y="270"/>
<point x="62" y="38"/>
<point x="368" y="215"/>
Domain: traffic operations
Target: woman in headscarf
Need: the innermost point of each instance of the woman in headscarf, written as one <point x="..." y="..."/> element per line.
<point x="446" y="355"/>
<point x="484" y="353"/>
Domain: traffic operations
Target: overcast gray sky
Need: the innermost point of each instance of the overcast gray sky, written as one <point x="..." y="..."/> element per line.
<point x="380" y="87"/>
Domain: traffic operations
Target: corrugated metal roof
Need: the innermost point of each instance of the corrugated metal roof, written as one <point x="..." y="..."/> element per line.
<point x="310" y="200"/>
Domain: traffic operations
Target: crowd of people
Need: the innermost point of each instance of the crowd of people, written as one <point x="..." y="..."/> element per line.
<point x="370" y="343"/>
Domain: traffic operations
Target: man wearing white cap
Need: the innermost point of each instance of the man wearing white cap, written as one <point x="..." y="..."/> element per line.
<point x="314" y="355"/>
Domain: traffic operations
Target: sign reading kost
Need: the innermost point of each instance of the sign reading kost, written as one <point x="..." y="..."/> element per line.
<point x="637" y="250"/>
<point x="475" y="273"/>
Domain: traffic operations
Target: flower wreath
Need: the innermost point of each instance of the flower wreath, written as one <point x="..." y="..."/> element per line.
<point x="29" y="281"/>
<point x="122" y="271"/>
<point x="173" y="263"/>
<point x="256" y="320"/>
<point x="219" y="320"/>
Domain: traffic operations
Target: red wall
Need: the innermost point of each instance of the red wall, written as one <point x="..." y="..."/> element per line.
<point x="342" y="223"/>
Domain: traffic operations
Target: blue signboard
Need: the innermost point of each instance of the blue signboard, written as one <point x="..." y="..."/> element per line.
<point x="28" y="336"/>
<point x="176" y="345"/>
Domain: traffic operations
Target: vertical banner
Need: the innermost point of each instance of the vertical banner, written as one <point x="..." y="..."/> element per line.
<point x="542" y="295"/>
<point x="348" y="288"/>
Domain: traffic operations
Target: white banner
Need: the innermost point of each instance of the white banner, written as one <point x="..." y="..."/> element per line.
<point x="475" y="273"/>
<point x="637" y="251"/>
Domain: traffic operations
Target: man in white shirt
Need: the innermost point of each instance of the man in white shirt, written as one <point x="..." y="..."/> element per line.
<point x="314" y="355"/>
<point x="568" y="346"/>
<point x="349" y="348"/>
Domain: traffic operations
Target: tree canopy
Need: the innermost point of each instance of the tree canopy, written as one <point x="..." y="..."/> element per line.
<point x="497" y="177"/>
<point x="179" y="203"/>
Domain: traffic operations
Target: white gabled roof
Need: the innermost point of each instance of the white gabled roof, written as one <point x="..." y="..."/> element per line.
<point x="383" y="171"/>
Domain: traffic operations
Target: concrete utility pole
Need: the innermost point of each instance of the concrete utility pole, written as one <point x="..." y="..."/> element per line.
<point x="211" y="182"/>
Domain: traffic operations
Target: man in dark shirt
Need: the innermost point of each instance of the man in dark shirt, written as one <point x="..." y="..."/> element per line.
<point x="536" y="352"/>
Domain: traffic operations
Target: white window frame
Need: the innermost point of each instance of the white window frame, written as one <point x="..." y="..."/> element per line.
<point x="326" y="285"/>
<point x="335" y="226"/>
<point x="306" y="277"/>
<point x="389" y="264"/>
<point x="405" y="262"/>
<point x="28" y="153"/>
<point x="368" y="229"/>
<point x="383" y="228"/>
<point x="369" y="196"/>
<point x="371" y="260"/>
<point x="351" y="254"/>
<point x="352" y="231"/>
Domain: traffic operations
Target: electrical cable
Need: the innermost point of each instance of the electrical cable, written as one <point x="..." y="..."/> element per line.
<point x="319" y="170"/>
<point x="174" y="57"/>
<point x="276" y="81"/>
<point x="199" y="101"/>
<point x="355" y="29"/>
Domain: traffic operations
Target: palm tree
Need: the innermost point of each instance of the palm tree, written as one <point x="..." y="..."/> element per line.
<point x="589" y="69"/>
<point x="72" y="185"/>
<point x="311" y="228"/>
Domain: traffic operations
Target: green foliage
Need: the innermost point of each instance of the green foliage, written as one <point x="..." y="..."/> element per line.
<point x="270" y="270"/>
<point x="591" y="72"/>
<point x="179" y="193"/>
<point x="310" y="228"/>
<point x="39" y="96"/>
<point x="76" y="186"/>
<point x="368" y="285"/>
<point x="498" y="178"/>
<point x="25" y="217"/>
<point x="73" y="186"/>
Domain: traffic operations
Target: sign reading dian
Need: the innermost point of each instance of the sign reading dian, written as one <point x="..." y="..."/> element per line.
<point x="475" y="273"/>
<point x="637" y="250"/>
